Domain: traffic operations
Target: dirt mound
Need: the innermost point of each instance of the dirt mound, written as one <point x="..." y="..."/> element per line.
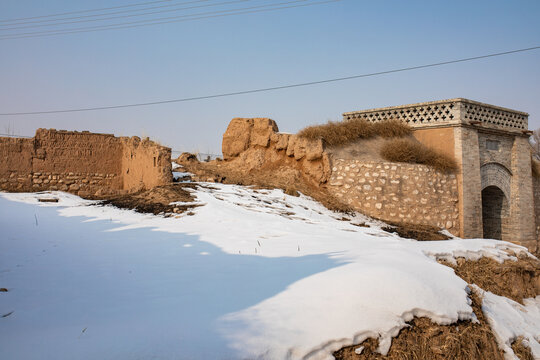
<point x="187" y="157"/>
<point x="417" y="232"/>
<point x="271" y="176"/>
<point x="463" y="340"/>
<point x="156" y="200"/>
<point x="516" y="280"/>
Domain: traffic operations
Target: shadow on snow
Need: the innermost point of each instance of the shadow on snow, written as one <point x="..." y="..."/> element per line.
<point x="83" y="292"/>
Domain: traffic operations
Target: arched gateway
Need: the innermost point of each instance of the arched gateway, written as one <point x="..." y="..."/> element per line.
<point x="496" y="180"/>
<point x="495" y="213"/>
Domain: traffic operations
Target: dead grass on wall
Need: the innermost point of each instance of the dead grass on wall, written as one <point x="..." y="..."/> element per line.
<point x="425" y="340"/>
<point x="516" y="280"/>
<point x="345" y="132"/>
<point x="410" y="151"/>
<point x="535" y="167"/>
<point x="414" y="231"/>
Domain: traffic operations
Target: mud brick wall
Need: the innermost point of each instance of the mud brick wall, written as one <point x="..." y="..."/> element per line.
<point x="16" y="163"/>
<point x="145" y="164"/>
<point x="79" y="162"/>
<point x="63" y="151"/>
<point x="411" y="193"/>
<point x="83" y="163"/>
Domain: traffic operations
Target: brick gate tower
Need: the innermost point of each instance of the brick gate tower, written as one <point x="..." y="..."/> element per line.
<point x="490" y="146"/>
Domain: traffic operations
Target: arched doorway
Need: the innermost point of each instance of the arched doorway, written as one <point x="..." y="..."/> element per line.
<point x="495" y="213"/>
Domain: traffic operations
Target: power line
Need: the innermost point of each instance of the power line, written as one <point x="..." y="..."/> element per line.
<point x="126" y="16"/>
<point x="167" y="20"/>
<point x="84" y="11"/>
<point x="281" y="87"/>
<point x="54" y="23"/>
<point x="16" y="136"/>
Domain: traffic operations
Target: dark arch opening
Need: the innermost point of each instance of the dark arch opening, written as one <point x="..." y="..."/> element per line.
<point x="495" y="213"/>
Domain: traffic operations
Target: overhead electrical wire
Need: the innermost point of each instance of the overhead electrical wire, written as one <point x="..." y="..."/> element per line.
<point x="280" y="87"/>
<point x="172" y="19"/>
<point x="84" y="11"/>
<point x="41" y="22"/>
<point x="130" y="15"/>
<point x="15" y="136"/>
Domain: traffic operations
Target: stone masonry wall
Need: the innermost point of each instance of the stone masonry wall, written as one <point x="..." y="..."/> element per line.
<point x="83" y="163"/>
<point x="398" y="192"/>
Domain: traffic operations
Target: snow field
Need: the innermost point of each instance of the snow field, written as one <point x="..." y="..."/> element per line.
<point x="253" y="274"/>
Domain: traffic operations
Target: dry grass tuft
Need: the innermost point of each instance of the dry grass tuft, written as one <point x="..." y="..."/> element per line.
<point x="414" y="231"/>
<point x="425" y="340"/>
<point x="535" y="167"/>
<point x="516" y="280"/>
<point x="410" y="151"/>
<point x="345" y="132"/>
<point x="522" y="352"/>
<point x="156" y="200"/>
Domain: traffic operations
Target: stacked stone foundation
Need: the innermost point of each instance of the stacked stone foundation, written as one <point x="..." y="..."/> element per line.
<point x="398" y="192"/>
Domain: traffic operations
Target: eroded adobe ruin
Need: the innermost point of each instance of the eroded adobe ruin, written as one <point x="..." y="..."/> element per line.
<point x="87" y="164"/>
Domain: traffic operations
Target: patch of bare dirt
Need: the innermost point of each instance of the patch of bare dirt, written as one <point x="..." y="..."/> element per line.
<point x="516" y="280"/>
<point x="156" y="200"/>
<point x="425" y="340"/>
<point x="417" y="232"/>
<point x="270" y="176"/>
<point x="365" y="149"/>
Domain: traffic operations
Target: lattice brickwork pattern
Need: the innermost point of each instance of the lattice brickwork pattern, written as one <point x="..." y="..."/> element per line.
<point x="494" y="116"/>
<point x="445" y="112"/>
<point x="412" y="115"/>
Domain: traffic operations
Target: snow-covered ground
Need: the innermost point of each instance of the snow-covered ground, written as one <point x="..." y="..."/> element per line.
<point x="253" y="274"/>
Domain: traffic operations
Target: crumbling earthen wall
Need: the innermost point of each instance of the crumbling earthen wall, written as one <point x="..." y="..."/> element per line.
<point x="397" y="192"/>
<point x="145" y="164"/>
<point x="256" y="144"/>
<point x="16" y="160"/>
<point x="83" y="163"/>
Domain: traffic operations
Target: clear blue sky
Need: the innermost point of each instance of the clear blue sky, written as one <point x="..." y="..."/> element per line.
<point x="262" y="50"/>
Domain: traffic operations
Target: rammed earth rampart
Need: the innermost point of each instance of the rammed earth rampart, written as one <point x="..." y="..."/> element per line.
<point x="83" y="163"/>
